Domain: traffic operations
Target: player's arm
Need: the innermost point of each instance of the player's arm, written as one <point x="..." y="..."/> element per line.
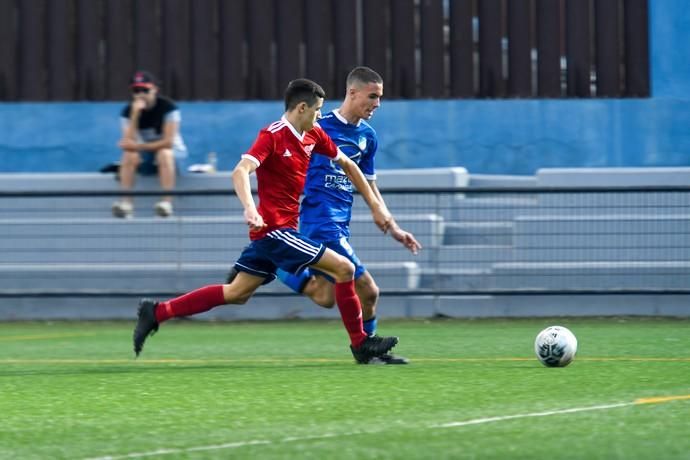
<point x="406" y="238"/>
<point x="379" y="211"/>
<point x="132" y="127"/>
<point x="130" y="138"/>
<point x="243" y="190"/>
<point x="170" y="130"/>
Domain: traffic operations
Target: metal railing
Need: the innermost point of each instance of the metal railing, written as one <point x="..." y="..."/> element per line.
<point x="477" y="241"/>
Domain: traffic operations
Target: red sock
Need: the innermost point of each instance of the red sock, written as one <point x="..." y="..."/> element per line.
<point x="350" y="311"/>
<point x="201" y="300"/>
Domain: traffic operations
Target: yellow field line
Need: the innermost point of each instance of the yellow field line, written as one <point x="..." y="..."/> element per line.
<point x="631" y="358"/>
<point x="44" y="336"/>
<point x="603" y="359"/>
<point x="661" y="399"/>
<point x="170" y="361"/>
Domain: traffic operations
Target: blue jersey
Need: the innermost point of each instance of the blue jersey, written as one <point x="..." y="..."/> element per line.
<point x="328" y="190"/>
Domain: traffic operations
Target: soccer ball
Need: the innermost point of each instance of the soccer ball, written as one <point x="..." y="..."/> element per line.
<point x="555" y="346"/>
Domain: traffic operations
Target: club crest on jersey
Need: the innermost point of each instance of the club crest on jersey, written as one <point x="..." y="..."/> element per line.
<point x="362" y="143"/>
<point x="308" y="149"/>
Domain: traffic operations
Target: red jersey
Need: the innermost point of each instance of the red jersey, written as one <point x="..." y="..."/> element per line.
<point x="282" y="155"/>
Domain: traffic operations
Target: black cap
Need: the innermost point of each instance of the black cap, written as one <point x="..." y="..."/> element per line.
<point x="142" y="79"/>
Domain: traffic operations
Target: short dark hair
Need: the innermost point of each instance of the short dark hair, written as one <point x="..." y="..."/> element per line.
<point x="302" y="90"/>
<point x="363" y="74"/>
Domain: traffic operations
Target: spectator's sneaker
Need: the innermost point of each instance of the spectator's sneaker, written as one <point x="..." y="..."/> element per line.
<point x="146" y="324"/>
<point x="123" y="209"/>
<point x="163" y="209"/>
<point x="388" y="359"/>
<point x="372" y="347"/>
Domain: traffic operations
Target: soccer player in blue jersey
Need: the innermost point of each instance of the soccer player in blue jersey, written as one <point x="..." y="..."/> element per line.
<point x="327" y="204"/>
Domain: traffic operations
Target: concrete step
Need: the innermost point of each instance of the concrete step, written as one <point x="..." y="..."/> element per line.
<point x="478" y="233"/>
<point x="162" y="277"/>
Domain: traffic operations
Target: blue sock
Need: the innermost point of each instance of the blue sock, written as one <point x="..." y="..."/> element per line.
<point x="370" y="326"/>
<point x="294" y="282"/>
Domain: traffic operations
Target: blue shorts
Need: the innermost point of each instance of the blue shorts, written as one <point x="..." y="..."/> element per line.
<point x="149" y="167"/>
<point x="335" y="236"/>
<point x="284" y="248"/>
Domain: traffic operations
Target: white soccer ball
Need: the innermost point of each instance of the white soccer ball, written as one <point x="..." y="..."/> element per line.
<point x="555" y="346"/>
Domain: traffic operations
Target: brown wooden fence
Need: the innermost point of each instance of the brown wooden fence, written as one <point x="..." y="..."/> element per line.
<point x="249" y="49"/>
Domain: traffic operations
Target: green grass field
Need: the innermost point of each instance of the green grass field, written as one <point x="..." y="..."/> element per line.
<point x="291" y="390"/>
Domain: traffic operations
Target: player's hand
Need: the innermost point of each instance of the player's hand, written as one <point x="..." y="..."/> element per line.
<point x="128" y="144"/>
<point x="138" y="104"/>
<point x="254" y="219"/>
<point x="407" y="239"/>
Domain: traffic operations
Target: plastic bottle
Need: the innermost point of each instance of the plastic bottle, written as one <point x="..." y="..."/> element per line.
<point x="212" y="161"/>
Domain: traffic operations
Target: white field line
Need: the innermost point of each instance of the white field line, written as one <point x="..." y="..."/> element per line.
<point x="476" y="421"/>
<point x="479" y="421"/>
<point x="229" y="445"/>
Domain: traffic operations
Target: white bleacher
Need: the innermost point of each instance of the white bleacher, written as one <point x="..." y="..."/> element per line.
<point x="102" y="240"/>
<point x="472" y="242"/>
<point x="427" y="177"/>
<point x="613" y="203"/>
<point x="99" y="206"/>
<point x="602" y="237"/>
<point x="608" y="177"/>
<point x="592" y="275"/>
<point x="372" y="245"/>
<point x="106" y="182"/>
<point x="434" y="178"/>
<point x="478" y="233"/>
<point x="162" y="277"/>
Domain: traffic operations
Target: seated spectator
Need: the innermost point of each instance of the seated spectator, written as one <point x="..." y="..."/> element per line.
<point x="150" y="143"/>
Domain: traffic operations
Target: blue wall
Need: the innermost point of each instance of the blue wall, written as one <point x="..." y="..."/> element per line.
<point x="498" y="136"/>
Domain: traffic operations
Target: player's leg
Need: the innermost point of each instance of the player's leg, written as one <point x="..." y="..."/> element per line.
<point x="367" y="290"/>
<point x="368" y="293"/>
<point x="320" y="290"/>
<point x="151" y="314"/>
<point x="165" y="159"/>
<point x="256" y="270"/>
<point x="295" y="281"/>
<point x="292" y="252"/>
<point x="364" y="348"/>
<point x="207" y="297"/>
<point x="318" y="286"/>
<point x="129" y="163"/>
<point x="310" y="284"/>
<point x="342" y="271"/>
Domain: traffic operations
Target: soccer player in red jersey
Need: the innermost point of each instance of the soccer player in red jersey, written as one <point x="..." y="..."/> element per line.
<point x="280" y="156"/>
